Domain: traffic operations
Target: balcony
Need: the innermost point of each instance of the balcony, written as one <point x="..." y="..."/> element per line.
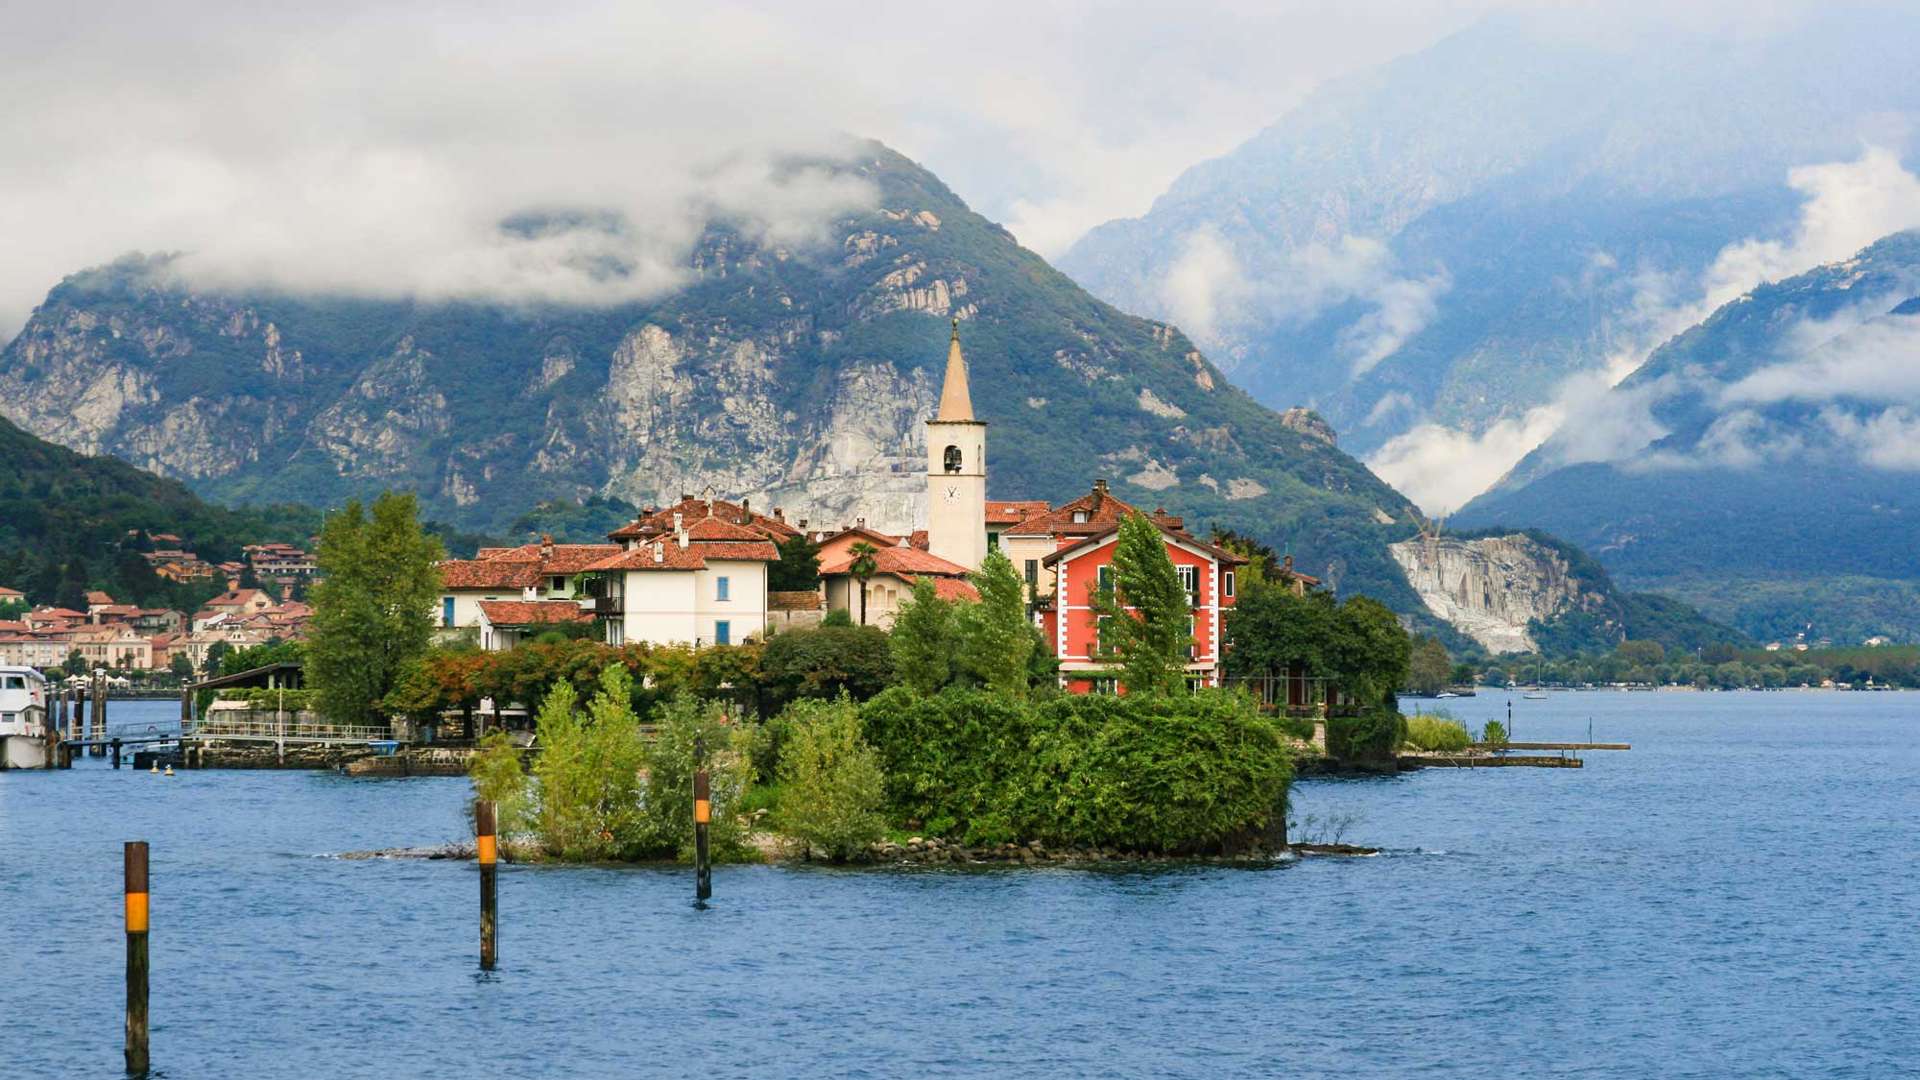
<point x="604" y="607"/>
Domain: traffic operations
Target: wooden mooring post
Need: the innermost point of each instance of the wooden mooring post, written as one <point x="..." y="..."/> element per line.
<point x="486" y="847"/>
<point x="136" y="867"/>
<point x="97" y="729"/>
<point x="702" y="817"/>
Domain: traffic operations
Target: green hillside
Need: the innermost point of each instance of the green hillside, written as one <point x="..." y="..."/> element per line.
<point x="66" y="520"/>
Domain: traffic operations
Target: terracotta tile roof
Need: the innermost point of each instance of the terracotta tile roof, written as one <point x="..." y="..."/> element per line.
<point x="918" y="539"/>
<point x="57" y="613"/>
<point x="691" y="557"/>
<point x="550" y="558"/>
<point x="1013" y="511"/>
<point x="878" y="538"/>
<point x="7" y="627"/>
<point x="947" y="588"/>
<point x="904" y="561"/>
<point x="11" y="594"/>
<point x="235" y="598"/>
<point x="533" y="612"/>
<point x="488" y="574"/>
<point x="1220" y="554"/>
<point x="691" y="510"/>
<point x="98" y="597"/>
<point x="807" y="600"/>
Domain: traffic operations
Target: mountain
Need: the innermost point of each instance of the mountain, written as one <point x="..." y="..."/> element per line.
<point x="1446" y="239"/>
<point x="795" y="375"/>
<point x="68" y="523"/>
<point x="1526" y="591"/>
<point x="1762" y="464"/>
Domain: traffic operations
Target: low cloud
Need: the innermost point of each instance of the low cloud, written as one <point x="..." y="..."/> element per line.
<point x="1215" y="296"/>
<point x="1888" y="439"/>
<point x="1870" y="361"/>
<point x="1443" y="468"/>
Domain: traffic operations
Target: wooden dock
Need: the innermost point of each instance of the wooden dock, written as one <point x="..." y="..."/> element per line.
<point x="1487" y="761"/>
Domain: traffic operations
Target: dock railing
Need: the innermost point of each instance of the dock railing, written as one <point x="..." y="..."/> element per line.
<point x="287" y="727"/>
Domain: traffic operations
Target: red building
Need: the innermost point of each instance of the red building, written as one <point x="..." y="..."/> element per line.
<point x="1081" y="563"/>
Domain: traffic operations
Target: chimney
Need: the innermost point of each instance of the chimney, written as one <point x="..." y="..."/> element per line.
<point x="803" y="524"/>
<point x="746" y="511"/>
<point x="859" y="523"/>
<point x="1286" y="565"/>
<point x="779" y="514"/>
<point x="659" y="552"/>
<point x="546" y="546"/>
<point x="233" y="584"/>
<point x="1099" y="494"/>
<point x="686" y="496"/>
<point x="680" y="536"/>
<point x="677" y="526"/>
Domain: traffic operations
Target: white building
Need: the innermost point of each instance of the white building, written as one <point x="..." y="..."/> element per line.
<point x="957" y="469"/>
<point x="701" y="584"/>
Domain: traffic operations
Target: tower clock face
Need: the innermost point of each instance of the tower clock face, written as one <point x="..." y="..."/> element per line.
<point x="953" y="493"/>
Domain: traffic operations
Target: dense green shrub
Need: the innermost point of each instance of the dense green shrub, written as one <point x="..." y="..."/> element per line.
<point x="832" y="789"/>
<point x="1177" y="773"/>
<point x="668" y="799"/>
<point x="1367" y="737"/>
<point x="1494" y="734"/>
<point x="1437" y="733"/>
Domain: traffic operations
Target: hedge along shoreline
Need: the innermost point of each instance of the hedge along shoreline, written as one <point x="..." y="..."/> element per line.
<point x="1204" y="773"/>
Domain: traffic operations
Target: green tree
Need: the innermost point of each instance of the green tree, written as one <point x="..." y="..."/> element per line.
<point x="215" y="660"/>
<point x="832" y="787"/>
<point x="373" y="613"/>
<point x="1269" y="629"/>
<point x="824" y="661"/>
<point x="1368" y="651"/>
<point x="799" y="567"/>
<point x="1429" y="667"/>
<point x="1144" y="616"/>
<point x="863" y="568"/>
<point x="923" y="639"/>
<point x="180" y="666"/>
<point x="995" y="634"/>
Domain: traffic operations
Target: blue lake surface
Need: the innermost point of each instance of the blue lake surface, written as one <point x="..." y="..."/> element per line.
<point x="1734" y="897"/>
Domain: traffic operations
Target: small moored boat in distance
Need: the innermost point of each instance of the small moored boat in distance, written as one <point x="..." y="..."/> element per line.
<point x="23" y="718"/>
<point x="1535" y="695"/>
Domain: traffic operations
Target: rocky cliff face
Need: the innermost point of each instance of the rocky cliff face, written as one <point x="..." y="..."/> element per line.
<point x="1493" y="589"/>
<point x="794" y="376"/>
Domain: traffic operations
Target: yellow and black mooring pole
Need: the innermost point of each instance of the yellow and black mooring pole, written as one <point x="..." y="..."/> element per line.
<point x="136" y="860"/>
<point x="702" y="817"/>
<point x="486" y="847"/>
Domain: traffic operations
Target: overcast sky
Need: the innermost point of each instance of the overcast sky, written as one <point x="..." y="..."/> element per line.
<point x="374" y="146"/>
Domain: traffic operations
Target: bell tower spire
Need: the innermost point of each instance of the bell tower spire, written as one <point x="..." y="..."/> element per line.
<point x="957" y="469"/>
<point x="956" y="403"/>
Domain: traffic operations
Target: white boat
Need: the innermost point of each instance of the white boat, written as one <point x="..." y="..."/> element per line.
<point x="1535" y="695"/>
<point x="23" y="718"/>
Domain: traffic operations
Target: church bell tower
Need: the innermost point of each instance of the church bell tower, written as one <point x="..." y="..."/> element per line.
<point x="957" y="469"/>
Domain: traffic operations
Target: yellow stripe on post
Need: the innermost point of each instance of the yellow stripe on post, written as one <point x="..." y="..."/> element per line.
<point x="488" y="849"/>
<point x="702" y="811"/>
<point x="136" y="913"/>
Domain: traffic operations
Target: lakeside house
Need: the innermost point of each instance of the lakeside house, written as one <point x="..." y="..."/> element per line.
<point x="898" y="567"/>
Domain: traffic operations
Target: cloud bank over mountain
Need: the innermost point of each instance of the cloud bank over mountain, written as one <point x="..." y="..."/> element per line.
<point x="377" y="147"/>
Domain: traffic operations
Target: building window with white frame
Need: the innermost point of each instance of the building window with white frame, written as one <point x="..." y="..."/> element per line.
<point x="1226" y="583"/>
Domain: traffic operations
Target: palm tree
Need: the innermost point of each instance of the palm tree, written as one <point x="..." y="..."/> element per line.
<point x="863" y="567"/>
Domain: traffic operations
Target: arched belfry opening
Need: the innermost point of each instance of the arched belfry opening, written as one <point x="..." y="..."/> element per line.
<point x="952" y="459"/>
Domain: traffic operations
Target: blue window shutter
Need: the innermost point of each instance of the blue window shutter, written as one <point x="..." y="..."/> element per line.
<point x="723" y="633"/>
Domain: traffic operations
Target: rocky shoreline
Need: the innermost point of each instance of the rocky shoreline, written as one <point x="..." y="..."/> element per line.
<point x="933" y="851"/>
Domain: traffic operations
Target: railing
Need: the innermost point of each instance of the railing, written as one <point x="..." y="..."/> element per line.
<point x="606" y="605"/>
<point x="217" y="726"/>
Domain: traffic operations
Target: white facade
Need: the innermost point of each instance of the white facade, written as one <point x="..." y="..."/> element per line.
<point x="723" y="604"/>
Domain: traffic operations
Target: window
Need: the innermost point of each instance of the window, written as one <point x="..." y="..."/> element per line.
<point x="1100" y="634"/>
<point x="557" y="584"/>
<point x="1226" y="584"/>
<point x="1079" y="517"/>
<point x="446" y="611"/>
<point x="721" y="588"/>
<point x="616" y="632"/>
<point x="723" y="632"/>
<point x="1033" y="575"/>
<point x="1189" y="578"/>
<point x="1105" y="686"/>
<point x="993" y="541"/>
<point x="1104" y="578"/>
<point x="951" y="459"/>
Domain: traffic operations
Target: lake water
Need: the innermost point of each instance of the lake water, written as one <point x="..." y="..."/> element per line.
<point x="1734" y="897"/>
